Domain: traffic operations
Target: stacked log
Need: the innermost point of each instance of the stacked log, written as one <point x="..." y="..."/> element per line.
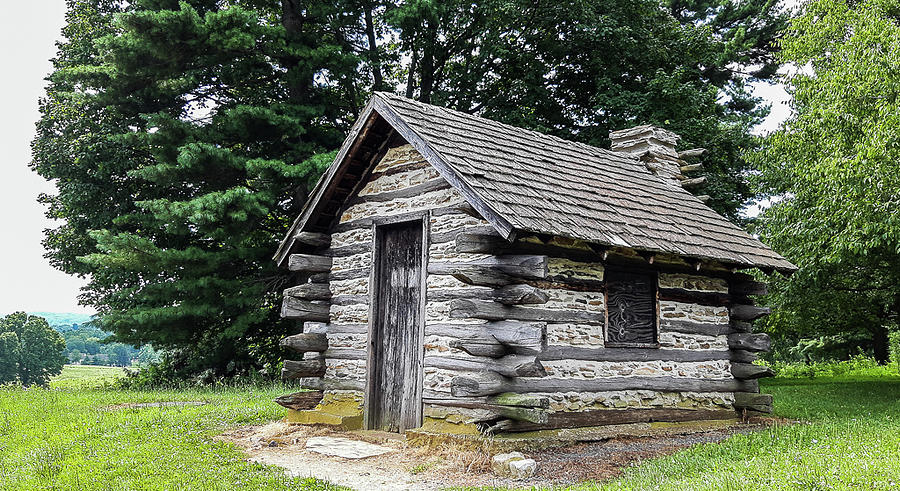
<point x="745" y="345"/>
<point x="495" y="339"/>
<point x="496" y="271"/>
<point x="306" y="342"/>
<point x="294" y="369"/>
<point x="306" y="302"/>
<point x="505" y="347"/>
<point x="309" y="263"/>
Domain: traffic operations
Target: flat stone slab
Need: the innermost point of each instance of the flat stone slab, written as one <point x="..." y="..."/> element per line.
<point x="344" y="447"/>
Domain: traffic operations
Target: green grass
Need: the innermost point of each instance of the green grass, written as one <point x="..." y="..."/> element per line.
<point x="84" y="376"/>
<point x="68" y="438"/>
<point x="849" y="439"/>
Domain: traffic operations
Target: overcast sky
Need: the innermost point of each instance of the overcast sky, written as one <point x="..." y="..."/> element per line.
<point x="28" y="31"/>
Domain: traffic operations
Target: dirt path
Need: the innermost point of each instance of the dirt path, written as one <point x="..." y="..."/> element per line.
<point x="413" y="468"/>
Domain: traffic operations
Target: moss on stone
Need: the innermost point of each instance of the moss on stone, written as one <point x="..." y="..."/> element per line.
<point x="344" y="409"/>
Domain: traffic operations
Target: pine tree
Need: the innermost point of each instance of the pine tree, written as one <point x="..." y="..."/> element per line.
<point x="204" y="123"/>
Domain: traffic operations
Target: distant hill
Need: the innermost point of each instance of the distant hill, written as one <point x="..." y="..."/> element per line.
<point x="85" y="343"/>
<point x="63" y="318"/>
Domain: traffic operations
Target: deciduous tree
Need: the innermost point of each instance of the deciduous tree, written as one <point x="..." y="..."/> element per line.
<point x="579" y="69"/>
<point x="30" y="350"/>
<point x="834" y="168"/>
<point x="9" y="357"/>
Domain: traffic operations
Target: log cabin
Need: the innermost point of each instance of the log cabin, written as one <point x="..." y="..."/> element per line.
<point x="458" y="275"/>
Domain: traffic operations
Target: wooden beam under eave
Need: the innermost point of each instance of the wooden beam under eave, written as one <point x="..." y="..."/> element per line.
<point x="650" y="257"/>
<point x="600" y="249"/>
<point x="313" y="239"/>
<point x="694" y="263"/>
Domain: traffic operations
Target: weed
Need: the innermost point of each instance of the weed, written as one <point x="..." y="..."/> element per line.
<point x="424" y="466"/>
<point x="856" y="366"/>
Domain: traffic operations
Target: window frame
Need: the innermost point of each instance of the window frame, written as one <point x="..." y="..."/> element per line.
<point x="654" y="274"/>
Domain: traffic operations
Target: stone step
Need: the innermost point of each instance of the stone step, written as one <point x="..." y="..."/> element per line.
<point x="314" y="416"/>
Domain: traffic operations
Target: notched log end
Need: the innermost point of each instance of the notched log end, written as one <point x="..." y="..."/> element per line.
<point x="299" y="401"/>
<point x="302" y="369"/>
<point x="306" y="342"/>
<point x="749" y="371"/>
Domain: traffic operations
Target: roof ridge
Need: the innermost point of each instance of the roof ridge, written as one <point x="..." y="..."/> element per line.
<point x="558" y="139"/>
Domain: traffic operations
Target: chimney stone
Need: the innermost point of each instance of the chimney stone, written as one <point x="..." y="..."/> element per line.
<point x="655" y="147"/>
<point x="651" y="145"/>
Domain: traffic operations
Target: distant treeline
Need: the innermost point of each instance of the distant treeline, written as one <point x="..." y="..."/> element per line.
<point x="85" y="346"/>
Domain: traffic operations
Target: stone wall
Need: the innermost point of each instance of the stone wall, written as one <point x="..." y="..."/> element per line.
<point x="592" y="336"/>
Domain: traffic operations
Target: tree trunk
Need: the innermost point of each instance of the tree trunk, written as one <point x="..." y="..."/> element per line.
<point x="373" y="49"/>
<point x="293" y="20"/>
<point x="881" y="345"/>
<point x="411" y="76"/>
<point x="427" y="72"/>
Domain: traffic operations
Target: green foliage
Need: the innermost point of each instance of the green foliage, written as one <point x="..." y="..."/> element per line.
<point x="9" y="357"/>
<point x="61" y="319"/>
<point x="30" y="350"/>
<point x="183" y="137"/>
<point x="840" y="346"/>
<point x="579" y="70"/>
<point x="857" y="366"/>
<point x="834" y="170"/>
<point x="90" y="345"/>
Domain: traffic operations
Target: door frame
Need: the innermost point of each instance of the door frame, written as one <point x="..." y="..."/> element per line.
<point x="378" y="225"/>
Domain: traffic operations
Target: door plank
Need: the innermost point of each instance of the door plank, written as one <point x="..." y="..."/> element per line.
<point x="397" y="328"/>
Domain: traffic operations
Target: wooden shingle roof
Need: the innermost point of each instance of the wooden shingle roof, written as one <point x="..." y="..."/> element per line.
<point x="531" y="182"/>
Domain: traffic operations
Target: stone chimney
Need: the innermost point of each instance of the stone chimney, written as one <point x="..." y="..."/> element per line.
<point x="655" y="147"/>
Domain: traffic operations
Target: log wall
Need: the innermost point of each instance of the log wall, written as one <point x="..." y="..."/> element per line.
<point x="544" y="301"/>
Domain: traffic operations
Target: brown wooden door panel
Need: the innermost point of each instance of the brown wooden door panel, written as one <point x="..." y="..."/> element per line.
<point x="395" y="362"/>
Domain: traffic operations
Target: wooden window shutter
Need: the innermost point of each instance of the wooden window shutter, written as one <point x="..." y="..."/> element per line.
<point x="631" y="310"/>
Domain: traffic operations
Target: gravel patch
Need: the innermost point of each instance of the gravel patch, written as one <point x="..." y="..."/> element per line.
<point x="417" y="468"/>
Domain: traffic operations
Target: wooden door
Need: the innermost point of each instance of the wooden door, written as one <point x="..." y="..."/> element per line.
<point x="394" y="388"/>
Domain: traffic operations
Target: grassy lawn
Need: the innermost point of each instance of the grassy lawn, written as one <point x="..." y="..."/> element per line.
<point x="851" y="441"/>
<point x="68" y="437"/>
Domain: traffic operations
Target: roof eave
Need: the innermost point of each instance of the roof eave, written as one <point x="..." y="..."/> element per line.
<point x="379" y="106"/>
<point x="366" y="119"/>
<point x="500" y="224"/>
